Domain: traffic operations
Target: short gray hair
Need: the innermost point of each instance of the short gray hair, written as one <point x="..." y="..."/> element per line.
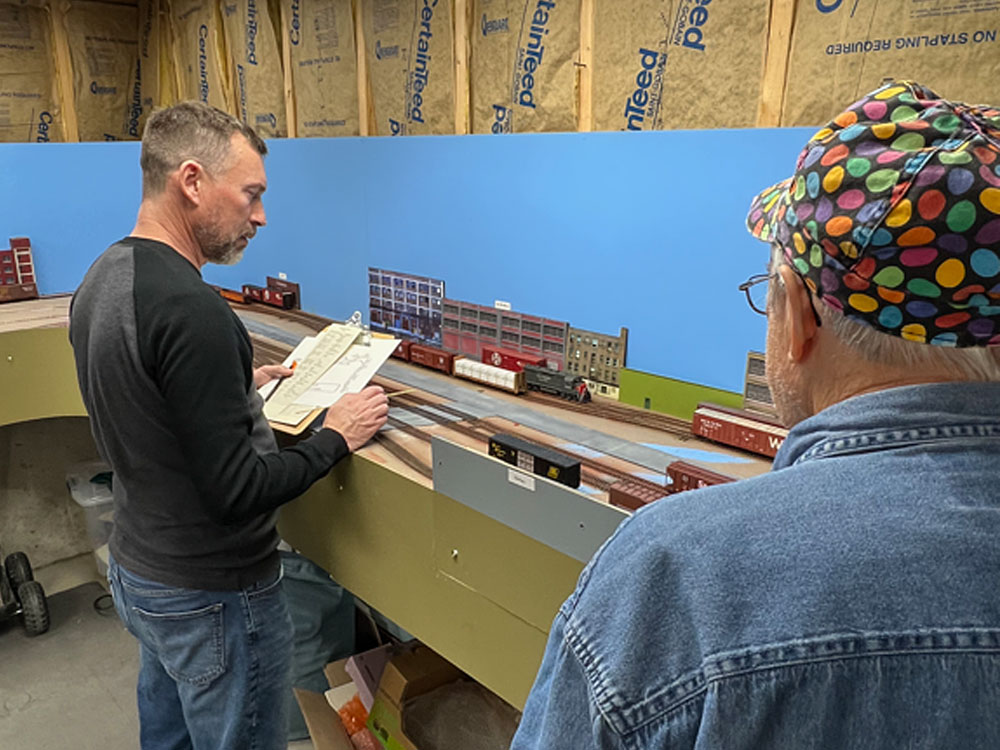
<point x="189" y="130"/>
<point x="974" y="363"/>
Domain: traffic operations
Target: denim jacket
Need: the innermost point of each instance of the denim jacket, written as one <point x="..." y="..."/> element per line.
<point x="850" y="598"/>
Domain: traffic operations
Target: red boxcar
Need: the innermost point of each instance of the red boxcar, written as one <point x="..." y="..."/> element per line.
<point x="509" y="359"/>
<point x="738" y="428"/>
<point x="431" y="356"/>
<point x="685" y="476"/>
<point x="273" y="297"/>
<point x="632" y="495"/>
<point x="402" y="350"/>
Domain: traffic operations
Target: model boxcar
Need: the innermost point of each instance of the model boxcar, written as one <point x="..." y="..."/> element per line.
<point x="633" y="495"/>
<point x="738" y="428"/>
<point x="684" y="476"/>
<point x="273" y="297"/>
<point x="562" y="384"/>
<point x="495" y="377"/>
<point x="283" y="285"/>
<point x="510" y="359"/>
<point x="402" y="350"/>
<point x="536" y="459"/>
<point x="431" y="356"/>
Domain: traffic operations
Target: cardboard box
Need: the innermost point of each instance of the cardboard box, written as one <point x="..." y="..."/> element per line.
<point x="366" y="669"/>
<point x="325" y="727"/>
<point x="411" y="673"/>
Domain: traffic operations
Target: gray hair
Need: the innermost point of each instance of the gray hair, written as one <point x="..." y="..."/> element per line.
<point x="189" y="130"/>
<point x="976" y="363"/>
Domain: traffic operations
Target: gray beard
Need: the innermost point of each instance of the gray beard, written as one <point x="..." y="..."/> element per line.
<point x="216" y="249"/>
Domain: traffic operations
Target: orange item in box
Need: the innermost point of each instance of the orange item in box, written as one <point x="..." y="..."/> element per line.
<point x="365" y="740"/>
<point x="353" y="715"/>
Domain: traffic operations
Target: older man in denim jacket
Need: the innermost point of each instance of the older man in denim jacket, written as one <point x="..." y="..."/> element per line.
<point x="850" y="598"/>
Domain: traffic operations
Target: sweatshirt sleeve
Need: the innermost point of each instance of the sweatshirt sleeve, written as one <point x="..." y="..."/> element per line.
<point x="201" y="359"/>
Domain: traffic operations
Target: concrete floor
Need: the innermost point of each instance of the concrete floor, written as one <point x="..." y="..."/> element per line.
<point x="75" y="685"/>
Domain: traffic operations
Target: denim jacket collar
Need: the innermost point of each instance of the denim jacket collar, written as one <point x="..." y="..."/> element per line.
<point x="895" y="416"/>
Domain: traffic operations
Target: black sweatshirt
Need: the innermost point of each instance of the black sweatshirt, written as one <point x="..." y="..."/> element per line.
<point x="166" y="372"/>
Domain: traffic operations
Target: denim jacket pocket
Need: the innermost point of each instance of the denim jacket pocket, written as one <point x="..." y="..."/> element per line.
<point x="191" y="644"/>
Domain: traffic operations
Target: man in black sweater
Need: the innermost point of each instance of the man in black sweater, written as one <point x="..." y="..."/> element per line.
<point x="165" y="369"/>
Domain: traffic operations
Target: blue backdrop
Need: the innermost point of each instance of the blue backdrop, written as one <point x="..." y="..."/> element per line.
<point x="643" y="230"/>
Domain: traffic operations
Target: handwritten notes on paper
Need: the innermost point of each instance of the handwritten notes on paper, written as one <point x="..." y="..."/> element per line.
<point x="327" y="348"/>
<point x="338" y="361"/>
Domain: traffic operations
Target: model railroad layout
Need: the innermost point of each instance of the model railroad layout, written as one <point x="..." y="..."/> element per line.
<point x="625" y="490"/>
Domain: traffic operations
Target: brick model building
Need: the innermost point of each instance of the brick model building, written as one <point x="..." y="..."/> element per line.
<point x="17" y="271"/>
<point x="598" y="358"/>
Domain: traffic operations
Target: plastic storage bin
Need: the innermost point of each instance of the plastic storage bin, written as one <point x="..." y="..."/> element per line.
<point x="97" y="501"/>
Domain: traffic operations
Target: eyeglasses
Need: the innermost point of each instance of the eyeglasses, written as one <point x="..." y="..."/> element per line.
<point x="755" y="289"/>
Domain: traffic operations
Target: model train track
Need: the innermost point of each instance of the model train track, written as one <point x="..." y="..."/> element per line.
<point x="400" y="452"/>
<point x="681" y="428"/>
<point x="267" y="351"/>
<point x="481" y="429"/>
<point x="310" y="320"/>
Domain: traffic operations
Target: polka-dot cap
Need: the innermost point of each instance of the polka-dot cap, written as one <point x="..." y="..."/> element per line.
<point x="893" y="216"/>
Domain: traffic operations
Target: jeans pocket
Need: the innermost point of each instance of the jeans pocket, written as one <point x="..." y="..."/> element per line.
<point x="190" y="645"/>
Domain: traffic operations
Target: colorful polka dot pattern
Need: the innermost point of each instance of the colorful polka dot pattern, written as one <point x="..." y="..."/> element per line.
<point x="893" y="216"/>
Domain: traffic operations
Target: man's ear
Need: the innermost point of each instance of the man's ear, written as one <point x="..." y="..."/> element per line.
<point x="800" y="323"/>
<point x="190" y="176"/>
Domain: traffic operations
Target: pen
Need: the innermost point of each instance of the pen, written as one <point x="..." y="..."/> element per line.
<point x="282" y="380"/>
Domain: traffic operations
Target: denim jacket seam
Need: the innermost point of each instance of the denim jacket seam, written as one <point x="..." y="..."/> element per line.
<point x="603" y="695"/>
<point x="894" y="438"/>
<point x="693" y="684"/>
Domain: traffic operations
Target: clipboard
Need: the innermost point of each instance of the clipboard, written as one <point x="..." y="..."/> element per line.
<point x="341" y="359"/>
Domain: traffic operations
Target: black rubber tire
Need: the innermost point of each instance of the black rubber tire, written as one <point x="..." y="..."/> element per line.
<point x="18" y="569"/>
<point x="35" y="608"/>
<point x="6" y="592"/>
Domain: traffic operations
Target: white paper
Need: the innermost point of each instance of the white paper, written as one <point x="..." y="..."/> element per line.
<point x="349" y="374"/>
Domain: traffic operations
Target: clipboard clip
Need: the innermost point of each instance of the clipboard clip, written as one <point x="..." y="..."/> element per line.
<point x="365" y="339"/>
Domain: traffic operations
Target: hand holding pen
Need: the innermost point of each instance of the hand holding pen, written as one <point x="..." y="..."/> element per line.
<point x="281" y="372"/>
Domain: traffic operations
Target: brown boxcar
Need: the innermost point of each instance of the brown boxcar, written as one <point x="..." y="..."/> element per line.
<point x="632" y="495"/>
<point x="509" y="359"/>
<point x="684" y="476"/>
<point x="738" y="428"/>
<point x="402" y="350"/>
<point x="431" y="356"/>
<point x="273" y="297"/>
<point x="291" y="287"/>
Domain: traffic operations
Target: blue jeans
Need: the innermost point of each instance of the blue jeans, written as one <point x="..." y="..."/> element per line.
<point x="215" y="666"/>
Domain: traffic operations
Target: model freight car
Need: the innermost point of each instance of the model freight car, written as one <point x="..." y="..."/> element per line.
<point x="402" y="350"/>
<point x="431" y="356"/>
<point x="738" y="428"/>
<point x="536" y="459"/>
<point x="509" y="359"/>
<point x="273" y="297"/>
<point x="562" y="384"/>
<point x="283" y="285"/>
<point x="633" y="495"/>
<point x="495" y="377"/>
<point x="684" y="476"/>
